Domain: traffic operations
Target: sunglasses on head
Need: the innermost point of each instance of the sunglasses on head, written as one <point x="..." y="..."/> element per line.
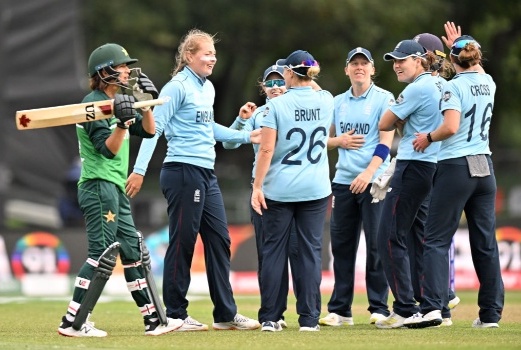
<point x="272" y="83"/>
<point x="462" y="43"/>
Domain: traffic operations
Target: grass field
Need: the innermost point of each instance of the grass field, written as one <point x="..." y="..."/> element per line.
<point x="32" y="323"/>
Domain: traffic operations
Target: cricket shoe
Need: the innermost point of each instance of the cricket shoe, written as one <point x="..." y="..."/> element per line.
<point x="447" y="322"/>
<point x="270" y="326"/>
<point x="375" y="317"/>
<point x="392" y="321"/>
<point x="86" y="330"/>
<point x="239" y="322"/>
<point x="479" y="324"/>
<point x="335" y="320"/>
<point x="282" y="323"/>
<point x="154" y="327"/>
<point x="310" y="329"/>
<point x="418" y="320"/>
<point x="190" y="325"/>
<point x="454" y="302"/>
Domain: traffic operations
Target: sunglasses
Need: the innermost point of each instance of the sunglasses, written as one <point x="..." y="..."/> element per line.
<point x="275" y="82"/>
<point x="462" y="43"/>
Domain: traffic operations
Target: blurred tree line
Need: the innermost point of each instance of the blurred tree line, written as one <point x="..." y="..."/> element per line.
<point x="253" y="34"/>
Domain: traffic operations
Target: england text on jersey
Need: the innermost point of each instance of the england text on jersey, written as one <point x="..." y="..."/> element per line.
<point x="204" y="117"/>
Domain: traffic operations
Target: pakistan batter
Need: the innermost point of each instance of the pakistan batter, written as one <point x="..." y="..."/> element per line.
<point x="104" y="152"/>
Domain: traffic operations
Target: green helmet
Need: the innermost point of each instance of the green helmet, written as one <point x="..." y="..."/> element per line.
<point x="108" y="55"/>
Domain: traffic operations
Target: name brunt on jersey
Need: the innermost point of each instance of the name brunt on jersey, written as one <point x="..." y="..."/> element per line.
<point x="307" y="114"/>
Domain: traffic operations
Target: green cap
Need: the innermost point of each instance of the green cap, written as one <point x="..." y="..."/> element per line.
<point x="108" y="55"/>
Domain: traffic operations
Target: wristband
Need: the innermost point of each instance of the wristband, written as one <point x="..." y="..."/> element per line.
<point x="381" y="151"/>
<point x="429" y="138"/>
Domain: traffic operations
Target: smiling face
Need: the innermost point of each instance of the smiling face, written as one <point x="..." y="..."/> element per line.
<point x="203" y="59"/>
<point x="407" y="69"/>
<point x="359" y="70"/>
<point x="275" y="90"/>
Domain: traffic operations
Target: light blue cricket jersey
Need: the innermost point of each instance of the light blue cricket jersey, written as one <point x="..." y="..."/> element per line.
<point x="299" y="169"/>
<point x="419" y="102"/>
<point x="362" y="114"/>
<point x="254" y="122"/>
<point x="187" y="121"/>
<point x="472" y="94"/>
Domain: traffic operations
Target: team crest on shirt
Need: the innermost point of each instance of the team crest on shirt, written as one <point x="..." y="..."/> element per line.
<point x="399" y="99"/>
<point x="446" y="96"/>
<point x="266" y="112"/>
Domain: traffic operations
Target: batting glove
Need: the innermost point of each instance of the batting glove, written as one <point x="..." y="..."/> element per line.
<point x="147" y="86"/>
<point x="124" y="110"/>
<point x="381" y="183"/>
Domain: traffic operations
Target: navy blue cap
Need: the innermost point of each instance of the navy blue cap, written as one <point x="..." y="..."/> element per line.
<point x="404" y="49"/>
<point x="273" y="69"/>
<point x="359" y="51"/>
<point x="298" y="59"/>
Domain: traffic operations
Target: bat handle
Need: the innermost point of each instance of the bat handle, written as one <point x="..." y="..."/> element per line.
<point x="148" y="103"/>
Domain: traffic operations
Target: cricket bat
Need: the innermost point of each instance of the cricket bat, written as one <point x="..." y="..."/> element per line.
<point x="71" y="114"/>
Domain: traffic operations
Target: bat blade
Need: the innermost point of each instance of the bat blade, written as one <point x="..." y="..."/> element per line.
<point x="71" y="114"/>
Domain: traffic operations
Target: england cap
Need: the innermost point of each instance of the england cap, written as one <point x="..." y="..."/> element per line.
<point x="297" y="59"/>
<point x="359" y="51"/>
<point x="273" y="69"/>
<point x="404" y="49"/>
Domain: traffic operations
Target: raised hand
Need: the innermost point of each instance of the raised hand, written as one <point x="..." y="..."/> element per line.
<point x="452" y="33"/>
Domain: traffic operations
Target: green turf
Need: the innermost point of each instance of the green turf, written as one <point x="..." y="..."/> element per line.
<point x="32" y="324"/>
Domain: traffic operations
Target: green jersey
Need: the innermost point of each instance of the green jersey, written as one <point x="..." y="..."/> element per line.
<point x="97" y="161"/>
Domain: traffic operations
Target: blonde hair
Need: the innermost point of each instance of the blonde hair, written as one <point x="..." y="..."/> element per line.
<point x="446" y="69"/>
<point x="307" y="73"/>
<point x="469" y="56"/>
<point x="190" y="43"/>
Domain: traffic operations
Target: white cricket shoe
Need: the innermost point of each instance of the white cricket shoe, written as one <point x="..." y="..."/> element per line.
<point x="190" y="325"/>
<point x="310" y="329"/>
<point x="335" y="320"/>
<point x="454" y="302"/>
<point x="270" y="326"/>
<point x="154" y="327"/>
<point x="479" y="324"/>
<point x="282" y="323"/>
<point x="392" y="321"/>
<point x="86" y="330"/>
<point x="418" y="320"/>
<point x="375" y="317"/>
<point x="447" y="322"/>
<point x="239" y="322"/>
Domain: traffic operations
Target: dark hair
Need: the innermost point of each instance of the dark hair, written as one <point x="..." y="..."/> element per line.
<point x="469" y="56"/>
<point x="96" y="83"/>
